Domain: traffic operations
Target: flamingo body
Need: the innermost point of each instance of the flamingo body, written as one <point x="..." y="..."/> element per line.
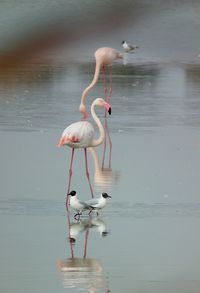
<point x="78" y="135"/>
<point x="107" y="55"/>
<point x="81" y="134"/>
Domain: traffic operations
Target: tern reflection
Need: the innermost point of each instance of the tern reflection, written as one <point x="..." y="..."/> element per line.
<point x="104" y="177"/>
<point x="83" y="273"/>
<point x="92" y="223"/>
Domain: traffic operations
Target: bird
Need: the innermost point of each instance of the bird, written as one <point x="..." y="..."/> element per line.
<point x="90" y="205"/>
<point x="104" y="56"/>
<point x="99" y="225"/>
<point x="81" y="135"/>
<point x="128" y="48"/>
<point x="77" y="205"/>
<point x="97" y="203"/>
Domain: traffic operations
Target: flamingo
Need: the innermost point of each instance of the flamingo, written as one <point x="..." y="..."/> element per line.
<point x="81" y="135"/>
<point x="104" y="56"/>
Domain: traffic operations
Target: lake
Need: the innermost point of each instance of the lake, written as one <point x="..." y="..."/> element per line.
<point x="147" y="237"/>
<point x="151" y="222"/>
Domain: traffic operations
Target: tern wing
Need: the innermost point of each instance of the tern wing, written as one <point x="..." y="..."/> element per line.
<point x="93" y="203"/>
<point x="85" y="205"/>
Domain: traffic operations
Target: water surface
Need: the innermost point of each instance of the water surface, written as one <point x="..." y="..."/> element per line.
<point x="151" y="242"/>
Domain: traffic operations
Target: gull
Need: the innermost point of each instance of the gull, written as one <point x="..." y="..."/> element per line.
<point x="77" y="205"/>
<point x="128" y="48"/>
<point x="92" y="204"/>
<point x="98" y="203"/>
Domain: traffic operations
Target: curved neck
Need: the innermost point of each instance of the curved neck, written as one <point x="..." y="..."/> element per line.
<point x="91" y="85"/>
<point x="101" y="138"/>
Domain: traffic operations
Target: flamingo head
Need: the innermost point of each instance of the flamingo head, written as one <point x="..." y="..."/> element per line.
<point x="102" y="103"/>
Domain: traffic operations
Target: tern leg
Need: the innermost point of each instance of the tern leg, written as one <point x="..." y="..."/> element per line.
<point x="87" y="172"/>
<point x="78" y="214"/>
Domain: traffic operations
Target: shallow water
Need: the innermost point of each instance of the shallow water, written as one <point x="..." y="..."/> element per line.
<point x="146" y="239"/>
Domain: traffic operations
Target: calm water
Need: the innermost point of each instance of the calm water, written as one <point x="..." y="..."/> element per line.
<point x="147" y="238"/>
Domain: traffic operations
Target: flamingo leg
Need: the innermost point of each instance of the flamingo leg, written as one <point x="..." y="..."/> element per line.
<point x="107" y="97"/>
<point x="104" y="146"/>
<point x="107" y="138"/>
<point x="110" y="143"/>
<point x="87" y="172"/>
<point x="104" y="81"/>
<point x="110" y="90"/>
<point x="85" y="245"/>
<point x="70" y="176"/>
<point x="71" y="242"/>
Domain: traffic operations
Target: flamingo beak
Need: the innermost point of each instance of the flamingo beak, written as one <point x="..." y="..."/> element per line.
<point x="107" y="107"/>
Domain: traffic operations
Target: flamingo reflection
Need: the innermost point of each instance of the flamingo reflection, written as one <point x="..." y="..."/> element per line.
<point x="104" y="177"/>
<point x="83" y="272"/>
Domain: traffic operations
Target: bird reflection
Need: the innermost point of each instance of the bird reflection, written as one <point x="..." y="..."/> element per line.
<point x="104" y="177"/>
<point x="93" y="223"/>
<point x="83" y="272"/>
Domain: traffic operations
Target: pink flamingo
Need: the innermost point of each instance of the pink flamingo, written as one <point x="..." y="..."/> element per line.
<point x="104" y="56"/>
<point x="81" y="135"/>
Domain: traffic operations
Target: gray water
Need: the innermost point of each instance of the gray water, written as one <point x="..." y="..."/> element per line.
<point x="153" y="218"/>
<point x="147" y="237"/>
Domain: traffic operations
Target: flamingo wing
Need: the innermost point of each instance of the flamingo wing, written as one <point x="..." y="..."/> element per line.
<point x="78" y="135"/>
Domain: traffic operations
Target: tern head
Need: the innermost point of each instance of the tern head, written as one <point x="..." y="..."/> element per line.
<point x="104" y="233"/>
<point x="72" y="239"/>
<point x="105" y="195"/>
<point x="122" y="42"/>
<point x="72" y="193"/>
